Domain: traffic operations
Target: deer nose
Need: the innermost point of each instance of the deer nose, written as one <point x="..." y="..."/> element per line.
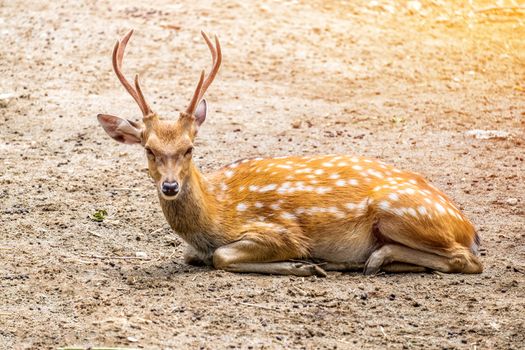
<point x="170" y="188"/>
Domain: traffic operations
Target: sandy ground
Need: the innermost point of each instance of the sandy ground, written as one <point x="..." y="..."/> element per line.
<point x="391" y="80"/>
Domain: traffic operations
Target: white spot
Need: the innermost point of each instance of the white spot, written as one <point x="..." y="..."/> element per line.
<point x="412" y="181"/>
<point x="362" y="205"/>
<point x="288" y="216"/>
<point x="334" y="176"/>
<point x="253" y="188"/>
<point x="410" y="191"/>
<point x="375" y="173"/>
<point x="245" y="161"/>
<point x="342" y="164"/>
<point x="357" y="167"/>
<point x="301" y="171"/>
<point x="368" y="161"/>
<point x="241" y="188"/>
<point x="258" y="204"/>
<point x="284" y="187"/>
<point x="353" y="182"/>
<point x="228" y="173"/>
<point x="223" y="186"/>
<point x="440" y="208"/>
<point x="396" y="171"/>
<point x="451" y="212"/>
<point x="335" y="211"/>
<point x="284" y="166"/>
<point x="422" y="210"/>
<point x="241" y="207"/>
<point x="323" y="190"/>
<point x="258" y="158"/>
<point x="393" y="196"/>
<point x="354" y="159"/>
<point x="275" y="206"/>
<point x="351" y="206"/>
<point x="289" y="162"/>
<point x="299" y="211"/>
<point x="377" y="188"/>
<point x="412" y="212"/>
<point x="340" y="183"/>
<point x="319" y="172"/>
<point x="233" y="165"/>
<point x="327" y="164"/>
<point x="314" y="182"/>
<point x="384" y="205"/>
<point x="267" y="188"/>
<point x="428" y="200"/>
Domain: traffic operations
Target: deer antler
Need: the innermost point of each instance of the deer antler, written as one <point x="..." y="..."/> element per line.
<point x="216" y="56"/>
<point x="118" y="55"/>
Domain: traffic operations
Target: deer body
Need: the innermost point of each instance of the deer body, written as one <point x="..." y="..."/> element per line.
<point x="278" y="215"/>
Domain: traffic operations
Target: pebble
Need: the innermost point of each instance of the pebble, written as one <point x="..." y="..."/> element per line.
<point x="5" y="99"/>
<point x="141" y="255"/>
<point x="512" y="201"/>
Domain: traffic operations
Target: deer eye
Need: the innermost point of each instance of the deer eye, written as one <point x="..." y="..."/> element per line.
<point x="150" y="154"/>
<point x="188" y="151"/>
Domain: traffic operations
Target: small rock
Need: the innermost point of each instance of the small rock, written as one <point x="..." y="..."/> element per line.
<point x="296" y="124"/>
<point x="5" y="99"/>
<point x="487" y="134"/>
<point x="132" y="339"/>
<point x="141" y="255"/>
<point x="512" y="201"/>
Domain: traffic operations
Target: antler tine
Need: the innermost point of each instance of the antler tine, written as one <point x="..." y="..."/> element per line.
<point x="216" y="55"/>
<point x="196" y="95"/>
<point x="141" y="97"/>
<point x="118" y="55"/>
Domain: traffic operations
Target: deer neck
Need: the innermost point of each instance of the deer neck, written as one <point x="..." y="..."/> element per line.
<point x="193" y="215"/>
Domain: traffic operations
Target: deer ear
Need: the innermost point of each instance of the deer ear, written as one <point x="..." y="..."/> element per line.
<point x="122" y="130"/>
<point x="200" y="112"/>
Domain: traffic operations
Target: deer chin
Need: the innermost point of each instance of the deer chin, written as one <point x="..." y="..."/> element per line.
<point x="168" y="198"/>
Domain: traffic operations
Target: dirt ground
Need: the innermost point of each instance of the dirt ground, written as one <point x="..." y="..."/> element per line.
<point x="399" y="81"/>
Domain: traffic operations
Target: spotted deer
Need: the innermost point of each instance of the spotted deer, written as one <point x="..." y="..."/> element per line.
<point x="293" y="215"/>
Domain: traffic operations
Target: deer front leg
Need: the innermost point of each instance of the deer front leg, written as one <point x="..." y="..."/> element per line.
<point x="252" y="257"/>
<point x="193" y="257"/>
<point x="267" y="248"/>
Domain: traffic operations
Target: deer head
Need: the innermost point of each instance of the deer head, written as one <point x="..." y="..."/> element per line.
<point x="168" y="143"/>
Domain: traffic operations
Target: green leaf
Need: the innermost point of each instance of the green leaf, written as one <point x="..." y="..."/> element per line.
<point x="99" y="215"/>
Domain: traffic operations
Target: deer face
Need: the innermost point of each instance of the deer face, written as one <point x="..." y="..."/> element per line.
<point x="168" y="144"/>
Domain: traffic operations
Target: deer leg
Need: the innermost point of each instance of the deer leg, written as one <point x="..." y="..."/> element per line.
<point x="389" y="253"/>
<point x="255" y="257"/>
<point x="396" y="267"/>
<point x="193" y="257"/>
<point x="343" y="266"/>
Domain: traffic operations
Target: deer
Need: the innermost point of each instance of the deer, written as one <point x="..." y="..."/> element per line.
<point x="292" y="215"/>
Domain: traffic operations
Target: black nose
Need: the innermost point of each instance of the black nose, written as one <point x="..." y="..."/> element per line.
<point x="170" y="188"/>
